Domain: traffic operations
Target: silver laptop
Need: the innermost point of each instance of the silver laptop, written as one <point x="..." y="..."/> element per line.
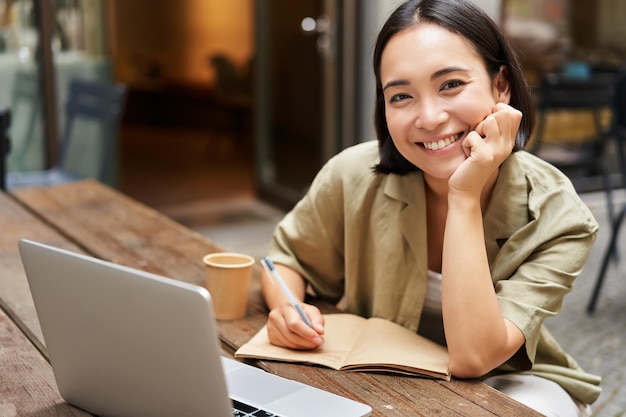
<point x="123" y="342"/>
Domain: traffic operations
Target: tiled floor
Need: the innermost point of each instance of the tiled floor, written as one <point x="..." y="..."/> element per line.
<point x="211" y="190"/>
<point x="239" y="225"/>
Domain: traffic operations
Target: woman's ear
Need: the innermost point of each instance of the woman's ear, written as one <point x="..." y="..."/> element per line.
<point x="501" y="86"/>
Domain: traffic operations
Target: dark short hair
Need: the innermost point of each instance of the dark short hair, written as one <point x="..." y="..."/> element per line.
<point x="472" y="23"/>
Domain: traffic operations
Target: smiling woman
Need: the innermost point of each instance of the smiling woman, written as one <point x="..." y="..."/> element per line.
<point x="445" y="225"/>
<point x="493" y="51"/>
<point x="438" y="101"/>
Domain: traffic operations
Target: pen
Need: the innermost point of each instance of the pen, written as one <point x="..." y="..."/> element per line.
<point x="272" y="272"/>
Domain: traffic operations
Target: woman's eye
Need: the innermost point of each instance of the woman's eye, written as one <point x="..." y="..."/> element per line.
<point x="449" y="85"/>
<point x="398" y="97"/>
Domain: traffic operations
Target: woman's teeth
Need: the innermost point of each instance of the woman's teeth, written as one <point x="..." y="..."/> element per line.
<point x="440" y="144"/>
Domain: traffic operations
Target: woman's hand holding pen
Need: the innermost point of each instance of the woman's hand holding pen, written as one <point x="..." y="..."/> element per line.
<point x="286" y="328"/>
<point x="291" y="323"/>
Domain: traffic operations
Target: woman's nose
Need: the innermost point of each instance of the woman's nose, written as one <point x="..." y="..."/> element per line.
<point x="430" y="115"/>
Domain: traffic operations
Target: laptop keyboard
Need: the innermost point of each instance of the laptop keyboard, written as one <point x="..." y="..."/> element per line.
<point x="244" y="410"/>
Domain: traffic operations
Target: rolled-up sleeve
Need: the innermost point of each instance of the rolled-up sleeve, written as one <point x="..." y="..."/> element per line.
<point x="537" y="264"/>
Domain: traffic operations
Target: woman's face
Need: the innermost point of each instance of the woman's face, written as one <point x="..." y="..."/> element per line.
<point x="436" y="89"/>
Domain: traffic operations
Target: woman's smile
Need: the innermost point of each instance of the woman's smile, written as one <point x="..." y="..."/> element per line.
<point x="436" y="145"/>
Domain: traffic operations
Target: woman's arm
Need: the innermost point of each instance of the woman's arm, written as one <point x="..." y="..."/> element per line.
<point x="479" y="338"/>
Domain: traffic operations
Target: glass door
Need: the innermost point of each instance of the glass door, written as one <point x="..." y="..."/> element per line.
<point x="20" y="75"/>
<point x="43" y="45"/>
<point x="302" y="113"/>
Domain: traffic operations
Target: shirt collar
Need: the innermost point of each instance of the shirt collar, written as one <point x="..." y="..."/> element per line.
<point x="507" y="211"/>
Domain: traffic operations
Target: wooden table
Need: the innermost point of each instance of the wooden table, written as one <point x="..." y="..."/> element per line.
<point x="93" y="219"/>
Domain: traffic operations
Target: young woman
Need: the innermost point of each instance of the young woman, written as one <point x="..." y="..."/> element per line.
<point x="444" y="225"/>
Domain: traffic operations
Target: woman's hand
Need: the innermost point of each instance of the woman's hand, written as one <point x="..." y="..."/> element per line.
<point x="286" y="328"/>
<point x="486" y="147"/>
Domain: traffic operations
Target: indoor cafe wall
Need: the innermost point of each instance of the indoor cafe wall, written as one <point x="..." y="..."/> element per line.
<point x="173" y="41"/>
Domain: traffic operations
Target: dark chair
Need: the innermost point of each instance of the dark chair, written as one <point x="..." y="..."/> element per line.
<point x="580" y="158"/>
<point x="5" y="144"/>
<point x="619" y="122"/>
<point x="90" y="101"/>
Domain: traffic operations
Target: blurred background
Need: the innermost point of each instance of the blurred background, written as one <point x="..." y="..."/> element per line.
<point x="245" y="99"/>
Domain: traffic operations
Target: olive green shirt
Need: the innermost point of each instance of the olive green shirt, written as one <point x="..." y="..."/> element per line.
<point x="359" y="239"/>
